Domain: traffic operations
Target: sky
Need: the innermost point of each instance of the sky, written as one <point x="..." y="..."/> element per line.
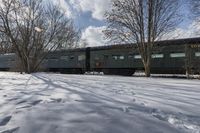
<point x="88" y="16"/>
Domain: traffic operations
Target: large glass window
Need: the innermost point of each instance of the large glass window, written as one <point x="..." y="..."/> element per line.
<point x="71" y="57"/>
<point x="121" y="57"/>
<point x="197" y="54"/>
<point x="157" y="55"/>
<point x="118" y="57"/>
<point x="137" y="57"/>
<point x="177" y="55"/>
<point x="130" y="56"/>
<point x="64" y="58"/>
<point x="115" y="57"/>
<point x="53" y="59"/>
<point x="81" y="57"/>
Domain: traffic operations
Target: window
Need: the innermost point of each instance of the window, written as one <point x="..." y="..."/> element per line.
<point x="45" y="60"/>
<point x="121" y="57"/>
<point x="11" y="60"/>
<point x="157" y="56"/>
<point x="53" y="59"/>
<point x="177" y="55"/>
<point x="81" y="57"/>
<point x="8" y="54"/>
<point x="197" y="54"/>
<point x="105" y="56"/>
<point x="71" y="57"/>
<point x="137" y="57"/>
<point x="97" y="58"/>
<point x="115" y="57"/>
<point x="118" y="57"/>
<point x="64" y="58"/>
<point x="130" y="56"/>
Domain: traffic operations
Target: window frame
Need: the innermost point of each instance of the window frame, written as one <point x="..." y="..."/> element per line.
<point x="157" y="56"/>
<point x="177" y="55"/>
<point x="66" y="58"/>
<point x="81" y="57"/>
<point x="197" y="54"/>
<point x="137" y="57"/>
<point x="118" y="57"/>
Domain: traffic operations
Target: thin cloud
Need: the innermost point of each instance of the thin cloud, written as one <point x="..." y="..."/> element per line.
<point x="94" y="36"/>
<point x="97" y="8"/>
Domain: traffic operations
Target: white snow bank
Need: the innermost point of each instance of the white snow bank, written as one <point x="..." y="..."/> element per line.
<point x="54" y="103"/>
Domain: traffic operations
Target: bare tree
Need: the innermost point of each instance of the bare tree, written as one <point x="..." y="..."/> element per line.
<point x="5" y="45"/>
<point x="195" y="15"/>
<point x="35" y="28"/>
<point x="143" y="22"/>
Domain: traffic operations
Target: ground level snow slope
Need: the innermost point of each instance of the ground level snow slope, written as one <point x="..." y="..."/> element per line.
<point x="55" y="103"/>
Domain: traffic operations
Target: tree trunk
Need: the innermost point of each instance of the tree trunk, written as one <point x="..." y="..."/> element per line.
<point x="147" y="69"/>
<point x="188" y="73"/>
<point x="28" y="66"/>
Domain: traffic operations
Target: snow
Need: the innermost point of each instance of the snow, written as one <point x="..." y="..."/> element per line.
<point x="55" y="103"/>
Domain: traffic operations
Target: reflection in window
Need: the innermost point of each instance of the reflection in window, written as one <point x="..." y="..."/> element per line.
<point x="54" y="59"/>
<point x="157" y="56"/>
<point x="118" y="57"/>
<point x="177" y="55"/>
<point x="137" y="57"/>
<point x="114" y="57"/>
<point x="130" y="56"/>
<point x="121" y="57"/>
<point x="197" y="54"/>
<point x="64" y="58"/>
<point x="81" y="57"/>
<point x="71" y="57"/>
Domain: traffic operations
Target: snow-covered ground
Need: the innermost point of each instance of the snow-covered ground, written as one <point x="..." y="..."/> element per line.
<point x="55" y="103"/>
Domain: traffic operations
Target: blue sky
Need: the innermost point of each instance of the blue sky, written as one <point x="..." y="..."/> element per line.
<point x="85" y="20"/>
<point x="88" y="16"/>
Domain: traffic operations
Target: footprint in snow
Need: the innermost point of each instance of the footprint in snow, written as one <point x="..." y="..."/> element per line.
<point x="158" y="114"/>
<point x="24" y="107"/>
<point x="5" y="120"/>
<point x="36" y="102"/>
<point x="31" y="104"/>
<point x="143" y="104"/>
<point x="87" y="101"/>
<point x="160" y="117"/>
<point x="14" y="130"/>
<point x="56" y="100"/>
<point x="13" y="99"/>
<point x="24" y="92"/>
<point x="176" y="121"/>
<point x="125" y="109"/>
<point x="41" y="94"/>
<point x="20" y="102"/>
<point x="133" y="93"/>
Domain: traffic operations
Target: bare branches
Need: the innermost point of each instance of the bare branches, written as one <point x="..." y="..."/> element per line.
<point x="34" y="28"/>
<point x="5" y="45"/>
<point x="141" y="21"/>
